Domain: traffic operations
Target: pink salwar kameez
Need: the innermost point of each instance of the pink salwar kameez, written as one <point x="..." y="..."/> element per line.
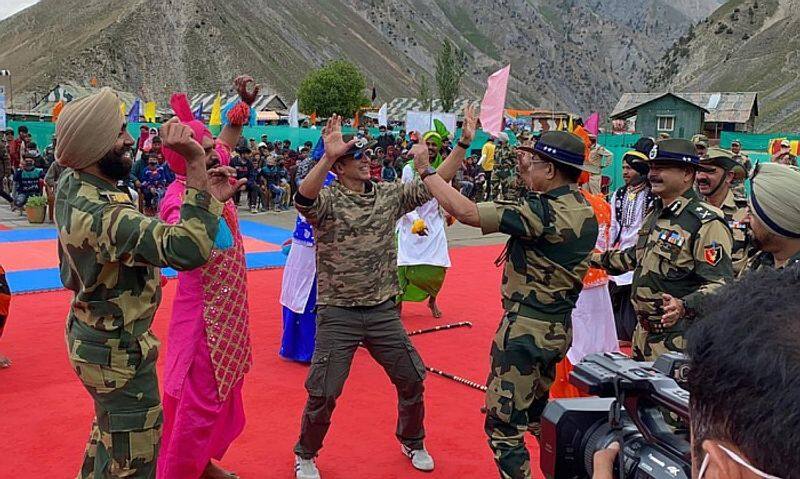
<point x="208" y="347"/>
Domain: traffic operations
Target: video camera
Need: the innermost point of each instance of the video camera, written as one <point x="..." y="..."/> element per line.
<point x="640" y="405"/>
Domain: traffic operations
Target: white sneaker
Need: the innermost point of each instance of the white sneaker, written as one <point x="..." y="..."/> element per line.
<point x="420" y="458"/>
<point x="305" y="468"/>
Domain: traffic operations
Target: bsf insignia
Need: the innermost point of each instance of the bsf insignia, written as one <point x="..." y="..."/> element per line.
<point x="117" y="197"/>
<point x="713" y="253"/>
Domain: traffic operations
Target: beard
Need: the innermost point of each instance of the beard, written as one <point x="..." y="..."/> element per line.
<point x="116" y="164"/>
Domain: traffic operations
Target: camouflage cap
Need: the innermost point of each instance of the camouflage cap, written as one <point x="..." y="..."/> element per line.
<point x="775" y="198"/>
<point x="723" y="159"/>
<point x="700" y="140"/>
<point x="562" y="147"/>
<point x="674" y="150"/>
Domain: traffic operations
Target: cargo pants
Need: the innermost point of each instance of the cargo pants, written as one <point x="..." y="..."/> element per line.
<point x="339" y="331"/>
<point x="119" y="372"/>
<point x="525" y="351"/>
<point x="648" y="346"/>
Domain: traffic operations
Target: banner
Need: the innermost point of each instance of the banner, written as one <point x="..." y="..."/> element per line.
<point x="294" y="118"/>
<point x="422" y="121"/>
<point x="383" y="115"/>
<point x="2" y="111"/>
<point x="494" y="101"/>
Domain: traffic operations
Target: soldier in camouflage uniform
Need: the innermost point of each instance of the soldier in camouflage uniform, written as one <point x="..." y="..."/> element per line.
<point x="552" y="235"/>
<point x="744" y="162"/>
<point x="774" y="216"/>
<point x="715" y="187"/>
<point x="683" y="253"/>
<point x="109" y="256"/>
<point x="357" y="284"/>
<point x="504" y="170"/>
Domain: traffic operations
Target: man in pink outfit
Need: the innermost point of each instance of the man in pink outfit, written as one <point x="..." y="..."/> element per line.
<point x="208" y="345"/>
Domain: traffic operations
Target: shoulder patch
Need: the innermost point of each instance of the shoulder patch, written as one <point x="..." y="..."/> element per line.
<point x="704" y="212"/>
<point x="116" y="197"/>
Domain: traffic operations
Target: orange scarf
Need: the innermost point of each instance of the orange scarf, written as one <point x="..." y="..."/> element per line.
<point x="602" y="211"/>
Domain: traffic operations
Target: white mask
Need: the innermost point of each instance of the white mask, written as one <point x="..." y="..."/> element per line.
<point x="707" y="459"/>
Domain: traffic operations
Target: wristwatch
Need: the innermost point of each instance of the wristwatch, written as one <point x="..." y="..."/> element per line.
<point x="463" y="145"/>
<point x="428" y="172"/>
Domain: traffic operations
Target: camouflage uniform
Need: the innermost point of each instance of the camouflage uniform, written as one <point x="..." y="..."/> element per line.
<point x="551" y="239"/>
<point x="762" y="259"/>
<point x="735" y="209"/>
<point x="109" y="254"/>
<point x="503" y="175"/>
<point x="356" y="287"/>
<point x="737" y="186"/>
<point x="684" y="250"/>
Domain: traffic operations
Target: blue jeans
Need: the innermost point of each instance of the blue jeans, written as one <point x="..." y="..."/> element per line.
<point x="277" y="194"/>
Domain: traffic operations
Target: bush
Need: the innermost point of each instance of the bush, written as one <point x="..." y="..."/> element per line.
<point x="36" y="202"/>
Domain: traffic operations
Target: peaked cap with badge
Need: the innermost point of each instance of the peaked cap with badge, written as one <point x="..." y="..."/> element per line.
<point x="358" y="148"/>
<point x="724" y="159"/>
<point x="676" y="151"/>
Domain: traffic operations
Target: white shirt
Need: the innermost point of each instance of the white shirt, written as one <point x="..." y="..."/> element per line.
<point x="633" y="213"/>
<point x="413" y="249"/>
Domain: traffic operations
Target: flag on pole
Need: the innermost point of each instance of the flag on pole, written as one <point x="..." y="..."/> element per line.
<point x="374" y="93"/>
<point x="198" y="113"/>
<point x="593" y="123"/>
<point x="558" y="125"/>
<point x="225" y="111"/>
<point x="216" y="112"/>
<point x="150" y="112"/>
<point x="57" y="110"/>
<point x="313" y="119"/>
<point x="383" y="115"/>
<point x="570" y="125"/>
<point x="355" y="120"/>
<point x="294" y="117"/>
<point x="494" y="101"/>
<point x="123" y="108"/>
<point x="253" y="117"/>
<point x="133" y="115"/>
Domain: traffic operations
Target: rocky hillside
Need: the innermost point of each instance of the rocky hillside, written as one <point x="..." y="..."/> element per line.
<point x="575" y="54"/>
<point x="746" y="45"/>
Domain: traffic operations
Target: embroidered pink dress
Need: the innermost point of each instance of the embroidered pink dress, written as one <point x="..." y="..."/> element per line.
<point x="208" y="352"/>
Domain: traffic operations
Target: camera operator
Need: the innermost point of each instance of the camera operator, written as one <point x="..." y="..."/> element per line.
<point x="745" y="418"/>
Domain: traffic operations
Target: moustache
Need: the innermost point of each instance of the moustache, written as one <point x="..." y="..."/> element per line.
<point x="704" y="182"/>
<point x="654" y="179"/>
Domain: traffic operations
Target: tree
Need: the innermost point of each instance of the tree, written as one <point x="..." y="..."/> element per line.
<point x="424" y="94"/>
<point x="337" y="87"/>
<point x="451" y="63"/>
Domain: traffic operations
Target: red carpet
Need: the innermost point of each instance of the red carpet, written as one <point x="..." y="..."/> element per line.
<point x="46" y="414"/>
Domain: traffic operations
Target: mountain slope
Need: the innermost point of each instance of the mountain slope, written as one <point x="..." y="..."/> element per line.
<point x="746" y="45"/>
<point x="578" y="55"/>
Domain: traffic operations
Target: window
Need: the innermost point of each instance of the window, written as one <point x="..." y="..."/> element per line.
<point x="666" y="123"/>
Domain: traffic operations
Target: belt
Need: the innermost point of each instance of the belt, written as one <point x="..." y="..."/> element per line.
<point x="530" y="312"/>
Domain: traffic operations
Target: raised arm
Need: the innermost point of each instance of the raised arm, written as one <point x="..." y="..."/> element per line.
<point x="334" y="148"/>
<point x="448" y="169"/>
<point x="233" y="130"/>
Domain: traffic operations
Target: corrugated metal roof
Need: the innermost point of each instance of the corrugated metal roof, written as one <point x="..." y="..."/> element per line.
<point x="271" y="102"/>
<point x="397" y="108"/>
<point x="724" y="107"/>
<point x="71" y="91"/>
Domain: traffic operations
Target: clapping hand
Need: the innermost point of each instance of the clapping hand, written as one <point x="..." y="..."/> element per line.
<point x="335" y="147"/>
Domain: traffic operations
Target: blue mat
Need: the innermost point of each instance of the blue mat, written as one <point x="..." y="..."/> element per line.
<point x="48" y="279"/>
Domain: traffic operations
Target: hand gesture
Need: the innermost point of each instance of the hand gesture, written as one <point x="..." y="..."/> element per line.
<point x="421" y="156"/>
<point x="248" y="97"/>
<point x="673" y="310"/>
<point x="468" y="127"/>
<point x="180" y="138"/>
<point x="222" y="183"/>
<point x="335" y="146"/>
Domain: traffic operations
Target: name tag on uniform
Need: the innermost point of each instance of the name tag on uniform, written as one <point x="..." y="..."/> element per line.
<point x="737" y="225"/>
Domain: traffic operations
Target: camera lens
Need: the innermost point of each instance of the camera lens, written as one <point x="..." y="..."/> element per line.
<point x="602" y="437"/>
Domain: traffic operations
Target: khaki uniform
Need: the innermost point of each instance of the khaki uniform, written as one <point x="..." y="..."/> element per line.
<point x="109" y="255"/>
<point x="737" y="186"/>
<point x="763" y="259"/>
<point x="356" y="289"/>
<point x="551" y="239"/>
<point x="684" y="249"/>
